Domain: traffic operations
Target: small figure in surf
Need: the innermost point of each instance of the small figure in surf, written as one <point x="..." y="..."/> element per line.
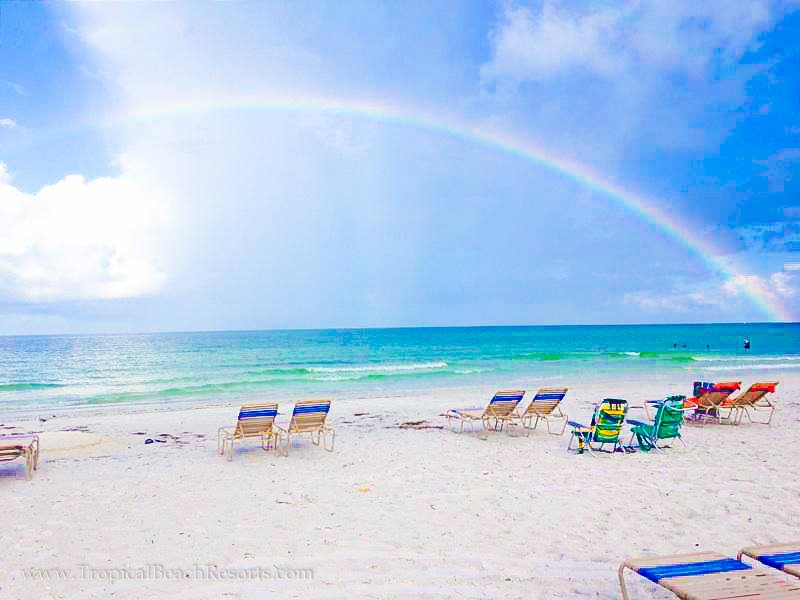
<point x="747" y="345"/>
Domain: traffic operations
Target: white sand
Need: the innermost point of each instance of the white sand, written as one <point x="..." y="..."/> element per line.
<point x="390" y="513"/>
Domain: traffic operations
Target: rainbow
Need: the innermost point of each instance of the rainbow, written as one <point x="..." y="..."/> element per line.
<point x="648" y="210"/>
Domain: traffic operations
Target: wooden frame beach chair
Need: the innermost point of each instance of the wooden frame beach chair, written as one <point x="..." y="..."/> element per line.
<point x="502" y="409"/>
<point x="605" y="428"/>
<point x="784" y="557"/>
<point x="753" y="398"/>
<point x="24" y="446"/>
<point x="255" y="420"/>
<point x="709" y="576"/>
<point x="710" y="402"/>
<point x="545" y="406"/>
<point x="309" y="416"/>
<point x="666" y="424"/>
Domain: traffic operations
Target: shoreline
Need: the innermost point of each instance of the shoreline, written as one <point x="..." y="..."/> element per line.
<point x="673" y="381"/>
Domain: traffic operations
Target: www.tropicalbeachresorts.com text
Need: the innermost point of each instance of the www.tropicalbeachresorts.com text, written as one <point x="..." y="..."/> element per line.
<point x="157" y="571"/>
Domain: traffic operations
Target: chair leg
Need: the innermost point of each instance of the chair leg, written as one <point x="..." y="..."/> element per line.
<point x="230" y="449"/>
<point x="29" y="464"/>
<point x="287" y="444"/>
<point x="36" y="455"/>
<point x="623" y="589"/>
<point x="333" y="439"/>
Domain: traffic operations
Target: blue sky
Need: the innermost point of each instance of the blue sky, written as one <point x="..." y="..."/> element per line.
<point x="138" y="192"/>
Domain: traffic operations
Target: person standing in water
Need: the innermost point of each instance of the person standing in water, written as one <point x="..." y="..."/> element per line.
<point x="747" y="345"/>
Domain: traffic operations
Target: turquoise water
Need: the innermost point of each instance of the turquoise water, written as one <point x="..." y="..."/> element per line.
<point x="70" y="371"/>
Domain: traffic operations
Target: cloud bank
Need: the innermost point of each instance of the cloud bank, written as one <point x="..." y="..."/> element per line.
<point x="78" y="240"/>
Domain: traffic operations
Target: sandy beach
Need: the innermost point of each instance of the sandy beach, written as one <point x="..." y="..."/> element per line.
<point x="390" y="513"/>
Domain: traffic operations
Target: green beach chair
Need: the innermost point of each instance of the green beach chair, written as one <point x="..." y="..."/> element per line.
<point x="665" y="426"/>
<point x="605" y="428"/>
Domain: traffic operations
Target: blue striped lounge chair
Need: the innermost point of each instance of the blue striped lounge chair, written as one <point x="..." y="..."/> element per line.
<point x="21" y="446"/>
<point x="309" y="416"/>
<point x="255" y="420"/>
<point x="545" y="406"/>
<point x="784" y="557"/>
<point x="710" y="576"/>
<point x="502" y="409"/>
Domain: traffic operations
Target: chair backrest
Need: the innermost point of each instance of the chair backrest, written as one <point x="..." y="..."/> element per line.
<point x="546" y="400"/>
<point x="717" y="393"/>
<point x="309" y="415"/>
<point x="669" y="418"/>
<point x="11" y="452"/>
<point x="701" y="386"/>
<point x="505" y="402"/>
<point x="15" y="445"/>
<point x="608" y="419"/>
<point x="755" y="393"/>
<point x="255" y="419"/>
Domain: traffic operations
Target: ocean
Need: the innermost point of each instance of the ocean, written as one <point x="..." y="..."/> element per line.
<point x="66" y="371"/>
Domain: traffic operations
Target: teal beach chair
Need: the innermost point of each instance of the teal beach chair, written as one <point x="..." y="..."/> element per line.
<point x="605" y="427"/>
<point x="665" y="426"/>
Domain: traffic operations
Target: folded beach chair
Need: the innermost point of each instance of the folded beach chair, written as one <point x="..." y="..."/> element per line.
<point x="710" y="576"/>
<point x="502" y="409"/>
<point x="784" y="557"/>
<point x="753" y="398"/>
<point x="709" y="400"/>
<point x="21" y="446"/>
<point x="255" y="420"/>
<point x="605" y="427"/>
<point x="309" y="416"/>
<point x="545" y="406"/>
<point x="665" y="426"/>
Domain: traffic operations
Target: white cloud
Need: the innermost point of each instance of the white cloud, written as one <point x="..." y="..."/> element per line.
<point x="8" y="123"/>
<point x="775" y="288"/>
<point x="629" y="35"/>
<point x="78" y="239"/>
<point x="675" y="301"/>
<point x="531" y="45"/>
<point x="19" y="89"/>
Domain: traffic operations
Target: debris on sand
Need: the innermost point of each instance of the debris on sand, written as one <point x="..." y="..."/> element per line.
<point x="419" y="425"/>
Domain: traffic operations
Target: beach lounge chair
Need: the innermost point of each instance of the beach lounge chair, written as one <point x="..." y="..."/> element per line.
<point x="309" y="416"/>
<point x="545" y="406"/>
<point x="21" y="446"/>
<point x="502" y="409"/>
<point x="709" y="576"/>
<point x="784" y="557"/>
<point x="753" y="398"/>
<point x="709" y="400"/>
<point x="605" y="428"/>
<point x="255" y="420"/>
<point x="665" y="426"/>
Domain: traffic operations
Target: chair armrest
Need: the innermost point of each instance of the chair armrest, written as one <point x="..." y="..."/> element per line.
<point x="635" y="422"/>
<point x="576" y="425"/>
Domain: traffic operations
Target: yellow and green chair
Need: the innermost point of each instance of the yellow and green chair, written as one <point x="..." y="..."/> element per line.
<point x="605" y="428"/>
